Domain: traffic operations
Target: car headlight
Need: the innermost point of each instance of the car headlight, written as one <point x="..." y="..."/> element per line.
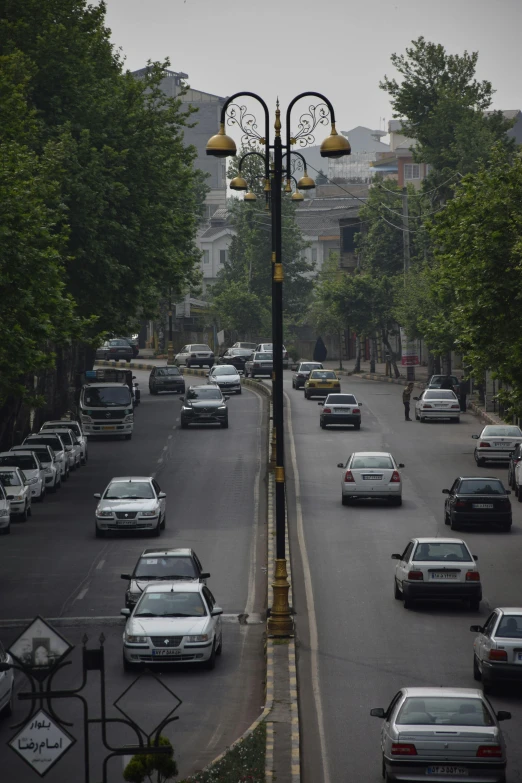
<point x="148" y="513"/>
<point x="4" y="512"/>
<point x="222" y="408"/>
<point x="104" y="513"/>
<point x="18" y="497"/>
<point x="32" y="480"/>
<point x="49" y="471"/>
<point x="136" y="639"/>
<point x="129" y="418"/>
<point x="86" y="418"/>
<point x="200" y="638"/>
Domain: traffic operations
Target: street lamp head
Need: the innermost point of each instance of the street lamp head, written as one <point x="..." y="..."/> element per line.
<point x="335" y="146"/>
<point x="250" y="196"/>
<point x="238" y="183"/>
<point x="221" y="145"/>
<point x="297" y="196"/>
<point x="306" y="182"/>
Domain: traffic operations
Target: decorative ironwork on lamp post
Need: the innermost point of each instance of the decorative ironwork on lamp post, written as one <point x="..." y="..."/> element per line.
<point x="276" y="171"/>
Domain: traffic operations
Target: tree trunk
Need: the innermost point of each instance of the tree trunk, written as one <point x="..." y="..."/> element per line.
<point x="436" y="365"/>
<point x="431" y="362"/>
<point x="357" y="367"/>
<point x="372" y="353"/>
<point x="392" y="355"/>
<point x="340" y="337"/>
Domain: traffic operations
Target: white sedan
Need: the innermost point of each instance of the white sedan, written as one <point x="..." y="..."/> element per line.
<point x="31" y="467"/>
<point x="131" y="503"/>
<point x="173" y="622"/>
<point x="6" y="684"/>
<point x="371" y="474"/>
<point x="437" y="404"/>
<point x="75" y="428"/>
<point x="437" y="568"/>
<point x="17" y="490"/>
<point x="496" y="442"/>
<point x="5" y="512"/>
<point x="226" y="377"/>
<point x="497" y="650"/>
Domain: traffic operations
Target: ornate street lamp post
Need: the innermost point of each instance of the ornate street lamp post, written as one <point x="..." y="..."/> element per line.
<point x="334" y="146"/>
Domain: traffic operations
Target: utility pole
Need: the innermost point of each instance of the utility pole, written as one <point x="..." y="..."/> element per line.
<point x="410" y="369"/>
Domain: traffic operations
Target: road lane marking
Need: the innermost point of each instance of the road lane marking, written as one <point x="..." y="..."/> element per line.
<point x="309" y="593"/>
<point x="100" y="565"/>
<point x="160" y="460"/>
<point x="82" y="594"/>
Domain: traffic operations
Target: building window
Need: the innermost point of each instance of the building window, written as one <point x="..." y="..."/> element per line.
<point x="206" y="257"/>
<point x="411" y="171"/>
<point x="314" y="255"/>
<point x="223" y="256"/>
<point x="348" y="238"/>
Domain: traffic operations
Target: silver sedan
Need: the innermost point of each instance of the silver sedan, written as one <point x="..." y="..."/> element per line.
<point x="226" y="377"/>
<point x="442" y="734"/>
<point x="131" y="503"/>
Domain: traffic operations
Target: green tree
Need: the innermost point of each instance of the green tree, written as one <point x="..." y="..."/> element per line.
<point x="154" y="767"/>
<point x="241" y="310"/>
<point x="325" y="312"/>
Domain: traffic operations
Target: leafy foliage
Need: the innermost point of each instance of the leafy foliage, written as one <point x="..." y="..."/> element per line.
<point x="244" y="762"/>
<point x="143" y="766"/>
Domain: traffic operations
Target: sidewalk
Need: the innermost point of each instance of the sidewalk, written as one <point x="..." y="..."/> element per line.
<point x="421" y="373"/>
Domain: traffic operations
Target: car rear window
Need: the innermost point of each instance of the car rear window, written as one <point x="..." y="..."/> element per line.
<point x="310" y="367"/>
<point x="510" y="627"/>
<point x="341" y="399"/>
<point x="22" y="461"/>
<point x="199" y="348"/>
<point x="509" y="432"/>
<point x="168" y="371"/>
<point x="161" y="567"/>
<point x="440" y="394"/>
<point x="481" y="487"/>
<point x="265" y="356"/>
<point x="372" y="462"/>
<point x="224" y="370"/>
<point x="445" y="711"/>
<point x="449" y="551"/>
<point x="323" y="374"/>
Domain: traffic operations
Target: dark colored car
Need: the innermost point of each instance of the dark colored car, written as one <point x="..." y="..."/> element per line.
<point x="302" y="372"/>
<point x="162" y="564"/>
<point x="133" y="342"/>
<point x="166" y="379"/>
<point x="237" y="357"/>
<point x="204" y="405"/>
<point x="435" y="382"/>
<point x="477" y="501"/>
<point x="514" y="459"/>
<point x="115" y="349"/>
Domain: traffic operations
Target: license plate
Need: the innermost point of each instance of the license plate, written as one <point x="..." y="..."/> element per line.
<point x="446" y="770"/>
<point x="112" y="427"/>
<point x="342" y="410"/>
<point x="482" y="505"/>
<point x="442" y="575"/>
<point x="323" y="385"/>
<point x="372" y="478"/>
<point x="165" y="653"/>
<point x="129" y="522"/>
<point x="502" y="445"/>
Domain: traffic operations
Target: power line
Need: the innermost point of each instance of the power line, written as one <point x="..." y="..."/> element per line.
<point x="424" y="193"/>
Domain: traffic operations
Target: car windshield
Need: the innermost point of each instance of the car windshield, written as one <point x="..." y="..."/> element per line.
<point x="167" y="371"/>
<point x="66" y="437"/>
<point x="506" y="432"/>
<point x="448" y="551"/>
<point x="41" y="452"/>
<point x="308" y="367"/>
<point x="481" y="487"/>
<point x="162" y="567"/>
<point x="224" y="370"/>
<point x="47" y="440"/>
<point x="119" y="342"/>
<point x="510" y="627"/>
<point x="441" y="394"/>
<point x="70" y="425"/>
<point x="248" y="346"/>
<point x="100" y="397"/>
<point x="22" y="461"/>
<point x="9" y="478"/>
<point x="264" y="356"/>
<point x="171" y="604"/>
<point x="129" y="490"/>
<point x="444" y="711"/>
<point x="199" y="348"/>
<point x="202" y="393"/>
<point x="437" y="379"/>
<point x="323" y="374"/>
<point x="341" y="399"/>
<point x="381" y="462"/>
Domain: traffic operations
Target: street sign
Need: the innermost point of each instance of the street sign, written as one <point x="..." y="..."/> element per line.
<point x="410" y="352"/>
<point x="39" y="648"/>
<point x="41" y="742"/>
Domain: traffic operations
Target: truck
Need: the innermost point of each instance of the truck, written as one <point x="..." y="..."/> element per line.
<point x="106" y="403"/>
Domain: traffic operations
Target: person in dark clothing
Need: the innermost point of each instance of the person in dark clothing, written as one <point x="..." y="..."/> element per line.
<point x="447" y="383"/>
<point x="320" y="351"/>
<point x="463" y="393"/>
<point x="406" y="397"/>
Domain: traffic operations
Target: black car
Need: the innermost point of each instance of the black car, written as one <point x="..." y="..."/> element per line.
<point x="476" y="501"/>
<point x="115" y="349"/>
<point x="166" y="379"/>
<point x="133" y="344"/>
<point x="435" y="382"/>
<point x="162" y="564"/>
<point x="204" y="405"/>
<point x="302" y="372"/>
<point x="514" y="459"/>
<point x="236" y="357"/>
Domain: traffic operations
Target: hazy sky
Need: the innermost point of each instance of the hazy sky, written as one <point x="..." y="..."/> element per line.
<point x="339" y="47"/>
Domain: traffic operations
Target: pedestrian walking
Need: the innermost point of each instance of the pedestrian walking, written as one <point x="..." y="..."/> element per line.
<point x="406" y="397"/>
<point x="463" y="393"/>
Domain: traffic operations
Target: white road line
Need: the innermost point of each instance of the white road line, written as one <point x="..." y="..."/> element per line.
<point x="312" y="619"/>
<point x="170" y="437"/>
<point x="82" y="594"/>
<point x="160" y="460"/>
<point x="165" y="448"/>
<point x="100" y="565"/>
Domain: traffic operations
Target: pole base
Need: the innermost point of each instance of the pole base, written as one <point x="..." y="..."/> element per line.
<point x="280" y="622"/>
<point x="170" y="354"/>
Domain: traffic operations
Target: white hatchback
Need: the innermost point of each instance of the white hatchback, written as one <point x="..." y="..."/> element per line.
<point x="371" y="474"/>
<point x="437" y="404"/>
<point x="31" y="467"/>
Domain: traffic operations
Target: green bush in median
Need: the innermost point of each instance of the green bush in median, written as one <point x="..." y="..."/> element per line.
<point x="141" y="768"/>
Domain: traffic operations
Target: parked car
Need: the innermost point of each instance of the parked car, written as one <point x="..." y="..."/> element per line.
<point x="442" y="734"/>
<point x="195" y="355"/>
<point x="320" y="383"/>
<point x="51" y="464"/>
<point x="71" y="443"/>
<point x="514" y="458"/>
<point x="237" y="357"/>
<point x="133" y="342"/>
<point x="173" y="622"/>
<point x="302" y="373"/>
<point x="371" y="475"/>
<point x="477" y="501"/>
<point x="162" y="564"/>
<point x="56" y="444"/>
<point x="435" y="569"/>
<point x="131" y="503"/>
<point x="245" y="346"/>
<point x="6" y="684"/>
<point x="496" y="442"/>
<point x="497" y="649"/>
<point x="30" y="466"/>
<point x="437" y="404"/>
<point x="436" y="380"/>
<point x="5" y="512"/>
<point x="115" y="349"/>
<point x="269" y="348"/>
<point x="261" y="363"/>
<point x="340" y="409"/>
<point x="76" y="429"/>
<point x="162" y="379"/>
<point x="204" y="405"/>
<point x="226" y="377"/>
<point x="17" y="491"/>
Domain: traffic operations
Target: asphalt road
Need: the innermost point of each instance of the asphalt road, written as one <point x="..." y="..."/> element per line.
<point x="368" y="644"/>
<point x="53" y="566"/>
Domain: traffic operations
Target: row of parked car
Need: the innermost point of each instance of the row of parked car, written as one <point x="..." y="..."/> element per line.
<point x="38" y="466"/>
